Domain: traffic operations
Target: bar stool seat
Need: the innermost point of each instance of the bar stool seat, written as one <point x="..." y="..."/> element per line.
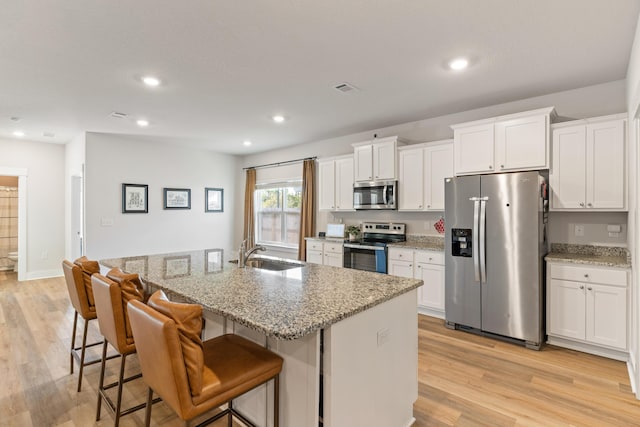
<point x="193" y="377"/>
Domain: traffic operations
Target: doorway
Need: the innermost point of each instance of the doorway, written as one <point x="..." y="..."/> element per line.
<point x="11" y="174"/>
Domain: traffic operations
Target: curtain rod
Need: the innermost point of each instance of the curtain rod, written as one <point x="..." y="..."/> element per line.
<point x="287" y="162"/>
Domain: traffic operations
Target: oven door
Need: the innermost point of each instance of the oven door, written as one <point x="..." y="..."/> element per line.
<point x="364" y="257"/>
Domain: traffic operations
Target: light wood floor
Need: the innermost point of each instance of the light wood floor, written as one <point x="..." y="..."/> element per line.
<point x="464" y="380"/>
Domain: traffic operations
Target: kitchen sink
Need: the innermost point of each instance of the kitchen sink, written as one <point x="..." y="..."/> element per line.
<point x="270" y="263"/>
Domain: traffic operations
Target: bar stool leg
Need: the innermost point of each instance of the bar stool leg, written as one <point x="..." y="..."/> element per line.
<point x="230" y="415"/>
<point x="73" y="340"/>
<point x="101" y="383"/>
<point x="120" y="384"/>
<point x="84" y="349"/>
<point x="147" y="415"/>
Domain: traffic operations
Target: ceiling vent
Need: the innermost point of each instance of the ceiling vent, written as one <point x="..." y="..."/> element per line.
<point x="118" y="115"/>
<point x="48" y="134"/>
<point x="345" y="87"/>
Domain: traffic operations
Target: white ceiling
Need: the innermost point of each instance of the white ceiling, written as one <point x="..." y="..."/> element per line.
<point x="227" y="66"/>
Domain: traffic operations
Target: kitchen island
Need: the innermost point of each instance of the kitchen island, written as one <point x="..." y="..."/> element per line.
<point x="349" y="338"/>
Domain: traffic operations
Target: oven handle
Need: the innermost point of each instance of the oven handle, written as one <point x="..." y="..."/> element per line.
<point x="354" y="246"/>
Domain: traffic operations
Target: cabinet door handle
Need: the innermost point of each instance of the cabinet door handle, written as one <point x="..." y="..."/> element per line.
<point x="586" y="275"/>
<point x="589" y="204"/>
<point x="582" y="205"/>
<point x="490" y="167"/>
<point x="419" y="266"/>
<point x="581" y="287"/>
<point x="501" y="166"/>
<point x="430" y="258"/>
<point x="420" y="206"/>
<point x="428" y="206"/>
<point x="589" y="288"/>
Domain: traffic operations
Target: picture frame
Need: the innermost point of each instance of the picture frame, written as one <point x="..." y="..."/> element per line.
<point x="177" y="198"/>
<point x="176" y="266"/>
<point x="135" y="198"/>
<point x="214" y="199"/>
<point x="213" y="260"/>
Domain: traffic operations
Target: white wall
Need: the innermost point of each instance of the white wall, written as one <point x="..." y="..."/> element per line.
<point x="592" y="101"/>
<point x="112" y="160"/>
<point x="74" y="161"/>
<point x="633" y="108"/>
<point x="45" y="202"/>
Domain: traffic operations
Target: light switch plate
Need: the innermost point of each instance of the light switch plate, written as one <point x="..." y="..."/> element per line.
<point x="579" y="230"/>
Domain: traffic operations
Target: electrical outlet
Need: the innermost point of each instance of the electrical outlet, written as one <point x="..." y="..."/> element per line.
<point x="578" y="230"/>
<point x="44" y="255"/>
<point x="106" y="222"/>
<point x="383" y="336"/>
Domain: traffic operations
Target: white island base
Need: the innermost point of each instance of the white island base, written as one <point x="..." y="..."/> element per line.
<point x="369" y="370"/>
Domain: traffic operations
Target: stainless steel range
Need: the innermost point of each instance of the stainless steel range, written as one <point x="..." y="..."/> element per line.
<point x="370" y="252"/>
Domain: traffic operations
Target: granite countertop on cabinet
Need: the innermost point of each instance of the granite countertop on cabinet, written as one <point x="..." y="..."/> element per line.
<point x="284" y="304"/>
<point x="605" y="256"/>
<point x="420" y="242"/>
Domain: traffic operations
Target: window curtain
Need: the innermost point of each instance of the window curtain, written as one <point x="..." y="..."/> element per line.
<point x="249" y="209"/>
<point x="307" y="210"/>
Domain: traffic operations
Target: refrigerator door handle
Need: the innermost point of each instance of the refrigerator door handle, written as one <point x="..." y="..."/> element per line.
<point x="474" y="237"/>
<point x="483" y="235"/>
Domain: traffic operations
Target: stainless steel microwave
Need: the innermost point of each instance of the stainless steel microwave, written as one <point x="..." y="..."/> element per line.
<point x="375" y="195"/>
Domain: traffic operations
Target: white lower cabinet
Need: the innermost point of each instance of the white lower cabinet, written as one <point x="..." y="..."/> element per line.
<point x="587" y="309"/>
<point x="325" y="252"/>
<point x="427" y="266"/>
<point x="333" y="254"/>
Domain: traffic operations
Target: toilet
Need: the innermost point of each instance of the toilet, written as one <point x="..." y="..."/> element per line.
<point x="13" y="256"/>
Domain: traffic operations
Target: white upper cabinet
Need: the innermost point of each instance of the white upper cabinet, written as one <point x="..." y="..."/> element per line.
<point x="438" y="163"/>
<point x="335" y="184"/>
<point x="422" y="170"/>
<point x="522" y="143"/>
<point x="503" y="144"/>
<point x="473" y="149"/>
<point x="376" y="160"/>
<point x="411" y="179"/>
<point x="589" y="165"/>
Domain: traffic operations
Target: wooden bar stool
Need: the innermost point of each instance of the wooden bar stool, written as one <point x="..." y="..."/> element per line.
<point x="193" y="377"/>
<point x="78" y="278"/>
<point x="111" y="296"/>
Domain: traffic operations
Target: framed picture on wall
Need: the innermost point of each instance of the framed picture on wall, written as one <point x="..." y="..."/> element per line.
<point x="177" y="198"/>
<point x="135" y="198"/>
<point x="213" y="200"/>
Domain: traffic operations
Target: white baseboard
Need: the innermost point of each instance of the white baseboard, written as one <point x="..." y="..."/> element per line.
<point x="430" y="312"/>
<point x="632" y="379"/>
<point x="43" y="274"/>
<point x="622" y="356"/>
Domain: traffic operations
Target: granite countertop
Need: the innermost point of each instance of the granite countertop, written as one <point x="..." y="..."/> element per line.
<point x="282" y="304"/>
<point x="605" y="256"/>
<point x="427" y="243"/>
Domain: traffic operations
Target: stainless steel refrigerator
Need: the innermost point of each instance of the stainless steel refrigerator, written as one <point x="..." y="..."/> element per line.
<point x="495" y="242"/>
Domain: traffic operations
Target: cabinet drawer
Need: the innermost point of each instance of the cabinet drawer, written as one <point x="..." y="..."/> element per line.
<point x="333" y="248"/>
<point x="401" y="254"/>
<point x="588" y="274"/>
<point x="314" y="245"/>
<point x="430" y="257"/>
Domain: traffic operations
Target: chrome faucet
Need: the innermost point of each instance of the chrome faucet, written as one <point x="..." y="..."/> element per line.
<point x="244" y="254"/>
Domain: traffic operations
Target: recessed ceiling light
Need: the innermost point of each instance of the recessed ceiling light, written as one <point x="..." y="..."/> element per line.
<point x="18" y="133"/>
<point x="278" y="119"/>
<point x="459" y="64"/>
<point x="246" y="143"/>
<point x="142" y="123"/>
<point x="151" y="81"/>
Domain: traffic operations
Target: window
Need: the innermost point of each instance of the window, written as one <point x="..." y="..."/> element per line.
<point x="278" y="214"/>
